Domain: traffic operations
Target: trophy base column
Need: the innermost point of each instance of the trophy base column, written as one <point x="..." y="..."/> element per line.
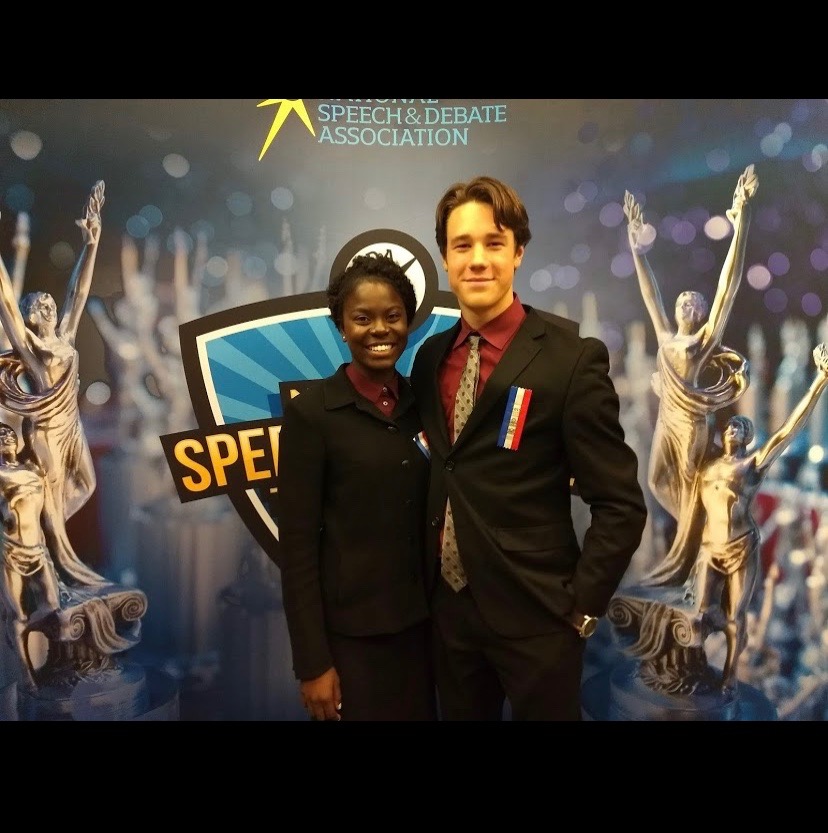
<point x="131" y="692"/>
<point x="619" y="694"/>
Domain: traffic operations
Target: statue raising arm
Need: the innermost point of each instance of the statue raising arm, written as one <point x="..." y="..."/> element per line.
<point x="12" y="319"/>
<point x="773" y="447"/>
<point x="708" y="335"/>
<point x="646" y="278"/>
<point x="30" y="323"/>
<point x="733" y="267"/>
<point x="22" y="244"/>
<point x="81" y="280"/>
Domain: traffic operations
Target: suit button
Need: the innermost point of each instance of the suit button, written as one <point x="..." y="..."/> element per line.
<point x="435" y="522"/>
<point x="406" y="463"/>
<point x="449" y="465"/>
<point x="393" y="429"/>
<point x="409" y="502"/>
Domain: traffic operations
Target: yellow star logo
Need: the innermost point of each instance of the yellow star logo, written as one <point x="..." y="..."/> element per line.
<point x="285" y="106"/>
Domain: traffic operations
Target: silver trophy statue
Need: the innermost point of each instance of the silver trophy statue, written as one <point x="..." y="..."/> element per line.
<point x="667" y="624"/>
<point x="696" y="377"/>
<point x="70" y="628"/>
<point x="705" y="581"/>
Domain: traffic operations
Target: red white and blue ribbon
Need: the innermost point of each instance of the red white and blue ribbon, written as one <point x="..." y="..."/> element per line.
<point x="514" y="418"/>
<point x="421" y="441"/>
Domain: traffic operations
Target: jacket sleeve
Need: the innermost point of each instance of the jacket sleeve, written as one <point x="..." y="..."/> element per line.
<point x="301" y="489"/>
<point x="605" y="469"/>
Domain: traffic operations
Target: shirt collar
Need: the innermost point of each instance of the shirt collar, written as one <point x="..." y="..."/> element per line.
<point x="499" y="331"/>
<point x="368" y="388"/>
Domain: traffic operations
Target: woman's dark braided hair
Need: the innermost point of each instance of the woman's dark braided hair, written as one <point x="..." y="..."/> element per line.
<point x="372" y="266"/>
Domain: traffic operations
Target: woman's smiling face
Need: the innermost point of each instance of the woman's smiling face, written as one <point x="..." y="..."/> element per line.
<point x="375" y="327"/>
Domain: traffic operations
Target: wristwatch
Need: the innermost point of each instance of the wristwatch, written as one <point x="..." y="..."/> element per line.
<point x="584" y="624"/>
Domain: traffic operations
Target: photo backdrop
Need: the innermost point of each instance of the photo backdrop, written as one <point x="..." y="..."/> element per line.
<point x="225" y="210"/>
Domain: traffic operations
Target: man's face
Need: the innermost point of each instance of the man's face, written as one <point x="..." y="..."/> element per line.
<point x="481" y="261"/>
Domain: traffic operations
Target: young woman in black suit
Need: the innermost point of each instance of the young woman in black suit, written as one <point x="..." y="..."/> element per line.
<point x="353" y="477"/>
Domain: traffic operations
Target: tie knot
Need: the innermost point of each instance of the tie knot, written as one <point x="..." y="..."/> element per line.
<point x="474" y="340"/>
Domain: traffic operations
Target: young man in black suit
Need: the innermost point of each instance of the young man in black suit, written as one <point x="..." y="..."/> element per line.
<point x="511" y="621"/>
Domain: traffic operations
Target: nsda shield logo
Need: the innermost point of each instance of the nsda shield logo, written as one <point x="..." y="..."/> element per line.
<point x="241" y="364"/>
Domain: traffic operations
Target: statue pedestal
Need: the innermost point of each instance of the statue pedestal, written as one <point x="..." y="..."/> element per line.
<point x="618" y="694"/>
<point x="126" y="692"/>
<point x="91" y="621"/>
<point x="661" y="670"/>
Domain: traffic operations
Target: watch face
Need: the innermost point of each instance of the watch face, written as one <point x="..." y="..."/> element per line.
<point x="589" y="626"/>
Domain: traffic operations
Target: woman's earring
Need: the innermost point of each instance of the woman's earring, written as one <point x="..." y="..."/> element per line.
<point x="343" y="337"/>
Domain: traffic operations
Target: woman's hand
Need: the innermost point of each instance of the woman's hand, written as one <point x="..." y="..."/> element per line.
<point x="321" y="696"/>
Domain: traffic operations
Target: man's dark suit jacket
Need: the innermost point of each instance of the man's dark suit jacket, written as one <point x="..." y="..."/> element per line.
<point x="352" y="491"/>
<point x="512" y="508"/>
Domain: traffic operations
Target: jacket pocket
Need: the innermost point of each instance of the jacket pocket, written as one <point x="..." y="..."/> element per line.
<point x="535" y="538"/>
